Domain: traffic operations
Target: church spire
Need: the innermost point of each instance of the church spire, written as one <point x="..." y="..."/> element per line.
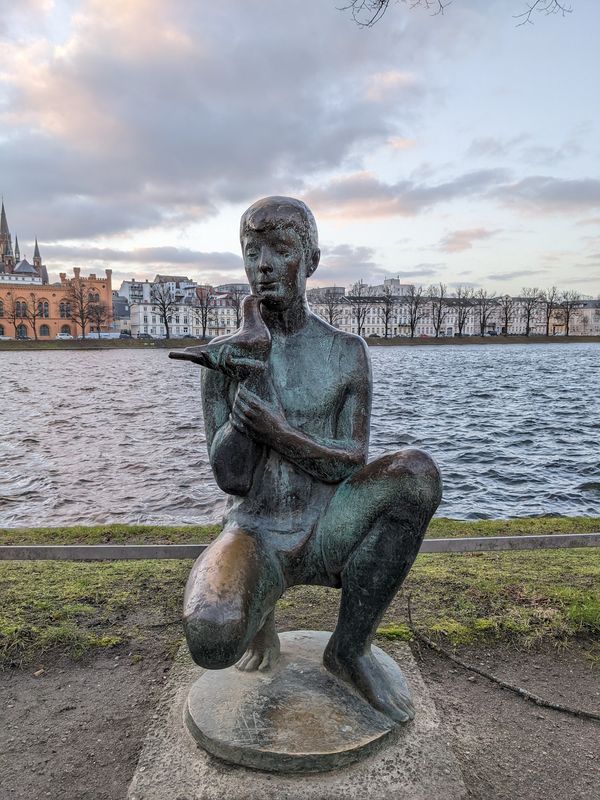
<point x="37" y="259"/>
<point x="4" y="232"/>
<point x="17" y="251"/>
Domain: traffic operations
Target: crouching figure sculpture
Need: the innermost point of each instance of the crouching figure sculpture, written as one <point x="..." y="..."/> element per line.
<point x="287" y="402"/>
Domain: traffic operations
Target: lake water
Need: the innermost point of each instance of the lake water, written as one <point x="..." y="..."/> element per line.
<point x="117" y="436"/>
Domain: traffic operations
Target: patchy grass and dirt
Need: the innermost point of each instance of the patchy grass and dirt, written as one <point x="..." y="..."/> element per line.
<point x="72" y="608"/>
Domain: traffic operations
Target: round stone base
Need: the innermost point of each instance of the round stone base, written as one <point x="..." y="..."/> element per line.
<point x="297" y="717"/>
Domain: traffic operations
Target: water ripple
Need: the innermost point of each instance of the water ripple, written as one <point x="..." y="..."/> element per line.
<point x="117" y="436"/>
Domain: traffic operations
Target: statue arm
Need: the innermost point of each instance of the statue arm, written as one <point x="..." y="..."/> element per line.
<point x="329" y="460"/>
<point x="233" y="456"/>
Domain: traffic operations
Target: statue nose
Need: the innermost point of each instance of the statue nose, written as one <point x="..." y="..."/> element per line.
<point x="264" y="265"/>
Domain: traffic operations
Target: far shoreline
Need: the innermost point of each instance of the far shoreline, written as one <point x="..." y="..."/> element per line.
<point x="175" y="344"/>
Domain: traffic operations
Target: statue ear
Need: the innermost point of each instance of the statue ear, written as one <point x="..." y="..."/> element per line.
<point x="314" y="262"/>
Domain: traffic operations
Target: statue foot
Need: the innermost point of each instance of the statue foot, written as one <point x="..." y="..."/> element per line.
<point x="263" y="653"/>
<point x="365" y="673"/>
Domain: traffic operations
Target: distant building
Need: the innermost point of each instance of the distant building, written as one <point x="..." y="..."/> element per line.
<point x="232" y="288"/>
<point x="30" y="306"/>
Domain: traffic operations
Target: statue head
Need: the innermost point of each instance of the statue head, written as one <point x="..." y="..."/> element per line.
<point x="280" y="247"/>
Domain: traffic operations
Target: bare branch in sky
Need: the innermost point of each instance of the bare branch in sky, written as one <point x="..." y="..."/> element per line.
<point x="367" y="13"/>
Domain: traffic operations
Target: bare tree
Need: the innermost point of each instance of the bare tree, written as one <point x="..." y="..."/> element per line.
<point x="203" y="308"/>
<point x="164" y="301"/>
<point x="14" y="311"/>
<point x="568" y="307"/>
<point x="385" y="308"/>
<point x="367" y="13"/>
<point x="361" y="303"/>
<point x="99" y="315"/>
<point x="485" y="304"/>
<point x="330" y="301"/>
<point x="80" y="300"/>
<point x="550" y="300"/>
<point x="530" y="299"/>
<point x="416" y="300"/>
<point x="236" y="297"/>
<point x="32" y="313"/>
<point x="438" y="297"/>
<point x="463" y="302"/>
<point x="507" y="307"/>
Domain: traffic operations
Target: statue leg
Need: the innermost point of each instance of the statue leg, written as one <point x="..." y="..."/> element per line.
<point x="229" y="598"/>
<point x="370" y="536"/>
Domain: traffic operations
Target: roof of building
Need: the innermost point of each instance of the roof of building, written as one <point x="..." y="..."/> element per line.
<point x="24" y="267"/>
<point x="171" y="279"/>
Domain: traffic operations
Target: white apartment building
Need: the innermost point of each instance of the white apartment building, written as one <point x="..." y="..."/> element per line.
<point x="185" y="319"/>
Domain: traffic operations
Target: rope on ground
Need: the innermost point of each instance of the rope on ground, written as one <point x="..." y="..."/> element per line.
<point x="533" y="698"/>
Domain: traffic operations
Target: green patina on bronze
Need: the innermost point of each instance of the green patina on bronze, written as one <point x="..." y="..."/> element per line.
<point x="287" y="405"/>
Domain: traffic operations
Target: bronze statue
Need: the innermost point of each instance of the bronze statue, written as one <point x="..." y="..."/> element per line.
<point x="287" y="403"/>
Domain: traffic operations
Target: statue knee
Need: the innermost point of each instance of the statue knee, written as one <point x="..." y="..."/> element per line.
<point x="414" y="468"/>
<point x="213" y="644"/>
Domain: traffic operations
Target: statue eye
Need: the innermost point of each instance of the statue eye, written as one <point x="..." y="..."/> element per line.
<point x="251" y="253"/>
<point x="283" y="251"/>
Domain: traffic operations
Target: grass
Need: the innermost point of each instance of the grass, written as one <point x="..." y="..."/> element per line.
<point x="75" y="608"/>
<point x="177" y="534"/>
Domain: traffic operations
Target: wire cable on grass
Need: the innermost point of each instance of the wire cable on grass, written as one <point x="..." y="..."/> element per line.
<point x="533" y="698"/>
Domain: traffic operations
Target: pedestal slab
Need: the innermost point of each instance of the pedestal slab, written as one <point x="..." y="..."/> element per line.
<point x="297" y="717"/>
<point x="415" y="762"/>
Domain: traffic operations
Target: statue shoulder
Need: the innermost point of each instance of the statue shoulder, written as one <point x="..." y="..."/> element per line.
<point x="352" y="348"/>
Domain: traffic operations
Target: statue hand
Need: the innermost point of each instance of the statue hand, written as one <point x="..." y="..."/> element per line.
<point x="239" y="369"/>
<point x="263" y="420"/>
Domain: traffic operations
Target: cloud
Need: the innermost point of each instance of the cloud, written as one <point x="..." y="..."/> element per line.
<point x="458" y="241"/>
<point x="492" y="147"/>
<point x="419" y="271"/>
<point x="521" y="148"/>
<point x="540" y="194"/>
<point x="517" y="273"/>
<point x="362" y="194"/>
<point x="143" y="262"/>
<point x="344" y="264"/>
<point x="150" y="112"/>
<point x="383" y="86"/>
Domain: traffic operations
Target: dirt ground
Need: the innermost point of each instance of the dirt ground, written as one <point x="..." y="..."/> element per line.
<point x="75" y="730"/>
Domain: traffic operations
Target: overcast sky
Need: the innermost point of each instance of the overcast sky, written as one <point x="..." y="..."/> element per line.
<point x="457" y="148"/>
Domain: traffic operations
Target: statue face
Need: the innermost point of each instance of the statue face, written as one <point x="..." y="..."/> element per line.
<point x="275" y="262"/>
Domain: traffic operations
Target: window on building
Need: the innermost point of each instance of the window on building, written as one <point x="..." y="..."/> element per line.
<point x="44" y="330"/>
<point x="1" y="308"/>
<point x="65" y="329"/>
<point x="2" y="330"/>
<point x="64" y="311"/>
<point x="21" y="308"/>
<point x="21" y="331"/>
<point x="43" y="309"/>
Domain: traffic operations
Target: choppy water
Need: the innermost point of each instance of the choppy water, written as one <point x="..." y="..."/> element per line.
<point x="117" y="436"/>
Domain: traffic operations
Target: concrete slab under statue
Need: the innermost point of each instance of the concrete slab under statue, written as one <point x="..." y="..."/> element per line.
<point x="287" y="405"/>
<point x="415" y="762"/>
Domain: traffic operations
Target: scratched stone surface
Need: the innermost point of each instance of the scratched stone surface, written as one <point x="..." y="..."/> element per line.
<point x="415" y="764"/>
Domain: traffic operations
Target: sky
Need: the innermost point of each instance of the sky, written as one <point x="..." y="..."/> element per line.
<point x="459" y="148"/>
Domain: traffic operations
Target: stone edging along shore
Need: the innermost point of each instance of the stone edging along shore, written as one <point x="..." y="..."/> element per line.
<point x="399" y="341"/>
